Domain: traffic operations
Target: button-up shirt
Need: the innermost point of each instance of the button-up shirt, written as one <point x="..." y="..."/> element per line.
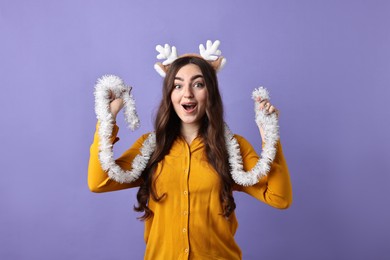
<point x="187" y="223"/>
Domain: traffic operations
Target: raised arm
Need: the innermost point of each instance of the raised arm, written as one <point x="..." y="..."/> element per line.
<point x="274" y="186"/>
<point x="105" y="173"/>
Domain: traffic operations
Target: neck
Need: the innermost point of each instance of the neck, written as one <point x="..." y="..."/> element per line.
<point x="189" y="132"/>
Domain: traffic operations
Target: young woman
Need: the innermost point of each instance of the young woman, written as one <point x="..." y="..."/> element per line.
<point x="186" y="188"/>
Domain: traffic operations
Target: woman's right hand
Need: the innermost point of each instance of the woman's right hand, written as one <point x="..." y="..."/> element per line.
<point x="116" y="105"/>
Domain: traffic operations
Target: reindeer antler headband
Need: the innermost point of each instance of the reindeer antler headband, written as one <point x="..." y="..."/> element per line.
<point x="211" y="53"/>
<point x="110" y="84"/>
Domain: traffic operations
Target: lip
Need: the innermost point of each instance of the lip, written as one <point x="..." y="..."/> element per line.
<point x="189" y="111"/>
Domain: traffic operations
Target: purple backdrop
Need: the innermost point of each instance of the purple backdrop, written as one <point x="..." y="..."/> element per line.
<point x="326" y="64"/>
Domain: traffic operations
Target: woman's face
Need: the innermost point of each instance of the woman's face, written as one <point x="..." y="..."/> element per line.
<point x="189" y="95"/>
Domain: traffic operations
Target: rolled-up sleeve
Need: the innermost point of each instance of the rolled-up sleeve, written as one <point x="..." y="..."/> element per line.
<point x="275" y="189"/>
<point x="98" y="180"/>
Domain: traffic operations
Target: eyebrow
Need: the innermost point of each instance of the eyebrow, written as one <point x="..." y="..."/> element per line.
<point x="193" y="78"/>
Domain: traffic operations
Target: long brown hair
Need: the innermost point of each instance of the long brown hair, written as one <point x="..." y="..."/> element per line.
<point x="167" y="128"/>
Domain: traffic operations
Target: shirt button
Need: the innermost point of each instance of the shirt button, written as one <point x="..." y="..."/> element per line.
<point x="186" y="250"/>
<point x="184" y="230"/>
<point x="185" y="213"/>
<point x="185" y="192"/>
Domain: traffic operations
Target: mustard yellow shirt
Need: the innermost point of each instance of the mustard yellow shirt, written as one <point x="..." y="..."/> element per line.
<point x="187" y="222"/>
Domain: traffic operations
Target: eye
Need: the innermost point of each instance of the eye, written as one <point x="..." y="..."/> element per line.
<point x="198" y="85"/>
<point x="177" y="86"/>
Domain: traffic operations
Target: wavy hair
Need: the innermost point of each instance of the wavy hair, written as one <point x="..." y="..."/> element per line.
<point x="167" y="128"/>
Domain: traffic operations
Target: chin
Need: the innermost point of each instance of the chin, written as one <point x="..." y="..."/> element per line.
<point x="190" y="121"/>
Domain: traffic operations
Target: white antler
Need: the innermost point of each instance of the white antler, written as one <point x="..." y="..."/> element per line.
<point x="211" y="51"/>
<point x="167" y="53"/>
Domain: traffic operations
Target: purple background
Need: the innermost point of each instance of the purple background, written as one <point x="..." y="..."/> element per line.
<point x="326" y="64"/>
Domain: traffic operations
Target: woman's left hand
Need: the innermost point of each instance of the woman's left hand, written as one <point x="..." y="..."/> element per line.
<point x="268" y="107"/>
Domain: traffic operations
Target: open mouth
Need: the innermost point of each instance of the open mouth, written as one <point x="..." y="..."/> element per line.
<point x="189" y="107"/>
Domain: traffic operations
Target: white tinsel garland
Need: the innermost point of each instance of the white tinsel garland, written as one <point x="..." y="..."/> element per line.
<point x="115" y="85"/>
<point x="271" y="131"/>
<point x="106" y="86"/>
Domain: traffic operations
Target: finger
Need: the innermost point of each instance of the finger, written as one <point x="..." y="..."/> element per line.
<point x="110" y="95"/>
<point x="124" y="90"/>
<point x="267" y="106"/>
<point x="262" y="104"/>
<point x="271" y="109"/>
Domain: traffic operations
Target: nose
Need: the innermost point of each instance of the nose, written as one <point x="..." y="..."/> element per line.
<point x="188" y="92"/>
